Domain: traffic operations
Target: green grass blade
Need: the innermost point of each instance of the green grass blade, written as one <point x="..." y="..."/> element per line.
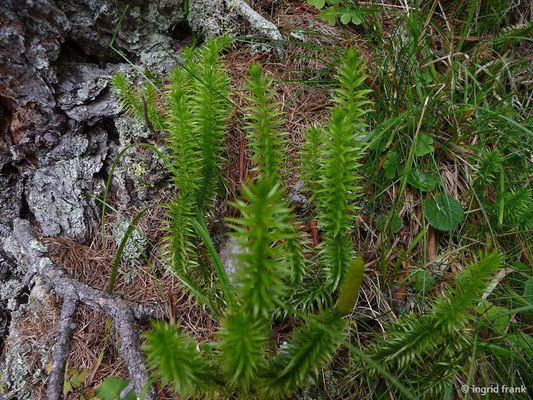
<point x="201" y="231"/>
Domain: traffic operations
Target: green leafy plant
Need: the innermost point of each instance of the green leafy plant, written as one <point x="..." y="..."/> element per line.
<point x="111" y="388"/>
<point x="422" y="181"/>
<point x="270" y="256"/>
<point x="444" y="212"/>
<point x="424" y="145"/>
<point x="340" y="154"/>
<point x="430" y="349"/>
<point x="340" y="10"/>
<point x="74" y="380"/>
<point x="193" y="109"/>
<point x="392" y="165"/>
<point x="451" y="114"/>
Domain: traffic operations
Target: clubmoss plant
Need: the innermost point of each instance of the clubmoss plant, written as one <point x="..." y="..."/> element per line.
<point x="431" y="350"/>
<point x="243" y="362"/>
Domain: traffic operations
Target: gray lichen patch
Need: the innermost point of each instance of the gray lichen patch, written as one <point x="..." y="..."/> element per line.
<point x="26" y="355"/>
<point x="10" y="200"/>
<point x="83" y="91"/>
<point x="212" y="18"/>
<point x="130" y="128"/>
<point x="134" y="249"/>
<point x="57" y="196"/>
<point x="141" y="175"/>
<point x="94" y="22"/>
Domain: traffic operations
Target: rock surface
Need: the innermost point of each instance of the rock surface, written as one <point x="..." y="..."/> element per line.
<point x="59" y="130"/>
<point x="58" y="112"/>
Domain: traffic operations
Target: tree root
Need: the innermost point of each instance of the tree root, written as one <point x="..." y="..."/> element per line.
<point x="259" y="23"/>
<point x="61" y="348"/>
<point x="123" y="313"/>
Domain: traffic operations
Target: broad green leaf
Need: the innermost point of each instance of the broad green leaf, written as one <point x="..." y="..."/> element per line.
<point x="346" y="17"/>
<point x="330" y="15"/>
<point x="350" y="14"/>
<point x="111" y="387"/>
<point x="317" y="3"/>
<point x="422" y="181"/>
<point x="356" y="19"/>
<point x="395" y="223"/>
<point x="74" y="379"/>
<point x="423" y="280"/>
<point x="77" y="379"/>
<point x="528" y="290"/>
<point x="67" y="387"/>
<point x="424" y="145"/>
<point x="392" y="166"/>
<point x="495" y="318"/>
<point x="444" y="213"/>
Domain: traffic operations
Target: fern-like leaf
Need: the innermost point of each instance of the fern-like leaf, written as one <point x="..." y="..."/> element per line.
<point x="291" y="249"/>
<point x="152" y="112"/>
<point x="259" y="231"/>
<point x="186" y="163"/>
<point x="127" y="95"/>
<point x="340" y="155"/>
<point x="210" y="107"/>
<point x="351" y="96"/>
<point x="488" y="167"/>
<point x="337" y="194"/>
<point x="174" y="358"/>
<point x="412" y="337"/>
<point x="242" y="342"/>
<point x="311" y="348"/>
<point x="264" y="115"/>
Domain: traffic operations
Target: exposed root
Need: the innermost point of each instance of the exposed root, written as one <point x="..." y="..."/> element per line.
<point x="123" y="313"/>
<point x="61" y="348"/>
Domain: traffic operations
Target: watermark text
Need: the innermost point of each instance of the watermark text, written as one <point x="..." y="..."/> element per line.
<point x="498" y="389"/>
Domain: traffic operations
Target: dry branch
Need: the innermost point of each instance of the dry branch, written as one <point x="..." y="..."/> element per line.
<point x="258" y="22"/>
<point x="61" y="348"/>
<point x="122" y="312"/>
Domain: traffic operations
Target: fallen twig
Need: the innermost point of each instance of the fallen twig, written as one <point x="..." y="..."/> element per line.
<point x="259" y="23"/>
<point x="61" y="348"/>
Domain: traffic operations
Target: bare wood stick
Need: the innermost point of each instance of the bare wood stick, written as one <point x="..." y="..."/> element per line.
<point x="120" y="310"/>
<point x="126" y="391"/>
<point x="258" y="22"/>
<point x="61" y="348"/>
